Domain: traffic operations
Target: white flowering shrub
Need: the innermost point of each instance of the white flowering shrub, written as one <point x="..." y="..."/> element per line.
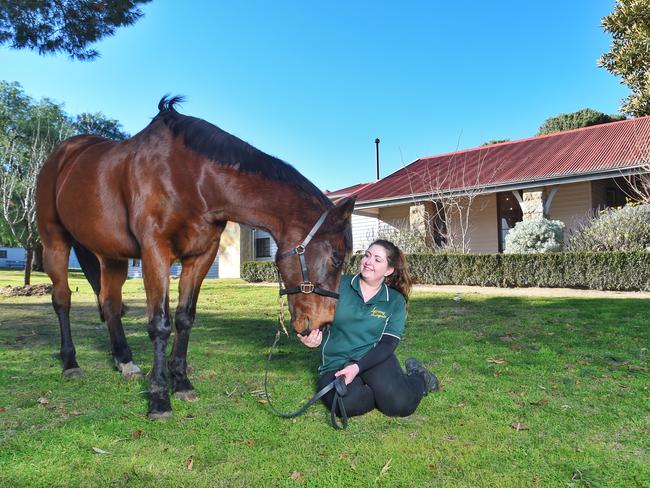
<point x="539" y="235"/>
<point x="614" y="229"/>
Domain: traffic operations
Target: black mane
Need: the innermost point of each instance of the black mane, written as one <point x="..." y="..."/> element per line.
<point x="227" y="150"/>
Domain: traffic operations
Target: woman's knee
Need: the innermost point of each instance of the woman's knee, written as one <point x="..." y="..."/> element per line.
<point x="396" y="406"/>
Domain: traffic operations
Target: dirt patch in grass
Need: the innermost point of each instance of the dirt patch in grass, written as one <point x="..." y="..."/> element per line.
<point x="26" y="291"/>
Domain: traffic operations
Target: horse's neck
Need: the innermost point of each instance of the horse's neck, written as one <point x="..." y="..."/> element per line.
<point x="286" y="212"/>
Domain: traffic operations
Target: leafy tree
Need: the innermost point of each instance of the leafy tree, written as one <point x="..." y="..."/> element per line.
<point x="51" y="26"/>
<point x="629" y="57"/>
<point x="13" y="106"/>
<point x="6" y="237"/>
<point x="99" y="125"/>
<point x="575" y="120"/>
<point x="494" y="141"/>
<point x="29" y="131"/>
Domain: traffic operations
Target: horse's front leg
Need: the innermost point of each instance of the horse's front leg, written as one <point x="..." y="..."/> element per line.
<point x="155" y="269"/>
<point x="194" y="270"/>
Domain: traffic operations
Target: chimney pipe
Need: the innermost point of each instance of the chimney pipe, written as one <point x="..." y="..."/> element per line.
<point x="377" y="141"/>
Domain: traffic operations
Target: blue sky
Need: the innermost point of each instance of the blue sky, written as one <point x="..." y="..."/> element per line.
<point x="314" y="83"/>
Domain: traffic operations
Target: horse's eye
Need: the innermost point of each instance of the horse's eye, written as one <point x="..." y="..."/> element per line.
<point x="337" y="262"/>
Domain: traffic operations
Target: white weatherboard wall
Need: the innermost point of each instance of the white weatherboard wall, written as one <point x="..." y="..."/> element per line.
<point x="396" y="217"/>
<point x="135" y="269"/>
<point x="571" y="204"/>
<point x="364" y="231"/>
<point x="13" y="255"/>
<point x="482" y="229"/>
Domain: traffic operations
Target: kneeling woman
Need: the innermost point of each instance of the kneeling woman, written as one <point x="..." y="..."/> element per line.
<point x="360" y="344"/>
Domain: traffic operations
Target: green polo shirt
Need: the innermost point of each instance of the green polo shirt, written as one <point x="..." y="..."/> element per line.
<point x="358" y="325"/>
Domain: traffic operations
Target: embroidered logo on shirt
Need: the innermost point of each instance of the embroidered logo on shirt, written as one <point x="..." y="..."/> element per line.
<point x="375" y="312"/>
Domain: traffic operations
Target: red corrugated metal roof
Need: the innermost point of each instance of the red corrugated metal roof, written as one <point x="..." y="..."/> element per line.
<point x="586" y="151"/>
<point x="346" y="192"/>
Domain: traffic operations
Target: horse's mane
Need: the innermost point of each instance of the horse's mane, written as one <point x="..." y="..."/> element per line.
<point x="227" y="150"/>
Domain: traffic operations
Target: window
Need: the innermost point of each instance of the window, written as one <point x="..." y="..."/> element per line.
<point x="508" y="213"/>
<point x="135" y="263"/>
<point x="3" y="254"/>
<point x="263" y="247"/>
<point x="614" y="197"/>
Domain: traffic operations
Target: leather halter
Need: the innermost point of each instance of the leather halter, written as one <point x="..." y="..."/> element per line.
<point x="306" y="286"/>
<point x="338" y="385"/>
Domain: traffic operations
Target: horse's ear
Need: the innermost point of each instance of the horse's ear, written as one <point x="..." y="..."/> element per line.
<point x="343" y="209"/>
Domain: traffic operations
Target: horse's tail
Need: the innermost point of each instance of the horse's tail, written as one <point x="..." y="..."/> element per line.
<point x="93" y="273"/>
<point x="91" y="269"/>
<point x="89" y="265"/>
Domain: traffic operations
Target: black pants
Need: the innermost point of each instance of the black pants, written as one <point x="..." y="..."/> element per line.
<point x="384" y="386"/>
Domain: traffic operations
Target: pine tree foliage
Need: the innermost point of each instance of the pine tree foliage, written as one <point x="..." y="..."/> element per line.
<point x="69" y="26"/>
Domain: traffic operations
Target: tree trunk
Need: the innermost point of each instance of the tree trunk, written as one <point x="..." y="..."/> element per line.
<point x="28" y="266"/>
<point x="37" y="265"/>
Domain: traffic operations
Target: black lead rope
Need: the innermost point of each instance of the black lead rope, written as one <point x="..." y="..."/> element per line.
<point x="306" y="287"/>
<point x="340" y="389"/>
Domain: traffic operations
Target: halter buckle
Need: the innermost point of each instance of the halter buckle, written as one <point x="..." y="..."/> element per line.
<point x="306" y="287"/>
<point x="300" y="249"/>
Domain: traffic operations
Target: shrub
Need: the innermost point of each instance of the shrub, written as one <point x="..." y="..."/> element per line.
<point x="615" y="229"/>
<point x="539" y="235"/>
<point x="259" y="271"/>
<point x="407" y="238"/>
<point x="590" y="270"/>
<point x="595" y="271"/>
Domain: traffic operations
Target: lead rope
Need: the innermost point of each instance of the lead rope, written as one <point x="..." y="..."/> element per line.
<point x="339" y="386"/>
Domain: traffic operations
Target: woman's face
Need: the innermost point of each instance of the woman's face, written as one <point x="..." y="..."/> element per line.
<point x="374" y="264"/>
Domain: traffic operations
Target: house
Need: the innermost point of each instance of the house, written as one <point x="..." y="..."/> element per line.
<point x="474" y="197"/>
<point x="12" y="257"/>
<point x="235" y="246"/>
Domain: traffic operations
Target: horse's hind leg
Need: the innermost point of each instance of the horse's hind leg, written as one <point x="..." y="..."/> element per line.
<point x="194" y="270"/>
<point x="113" y="276"/>
<point x="56" y="253"/>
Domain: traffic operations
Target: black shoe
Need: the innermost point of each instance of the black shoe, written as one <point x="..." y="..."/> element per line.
<point x="413" y="366"/>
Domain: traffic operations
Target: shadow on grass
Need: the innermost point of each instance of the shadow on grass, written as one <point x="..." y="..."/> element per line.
<point x="495" y="319"/>
<point x="35" y="327"/>
<point x="607" y="331"/>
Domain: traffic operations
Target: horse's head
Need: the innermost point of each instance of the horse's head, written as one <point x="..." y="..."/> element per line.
<point x="310" y="305"/>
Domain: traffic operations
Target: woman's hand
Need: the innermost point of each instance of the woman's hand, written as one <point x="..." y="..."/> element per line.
<point x="350" y="372"/>
<point x="314" y="338"/>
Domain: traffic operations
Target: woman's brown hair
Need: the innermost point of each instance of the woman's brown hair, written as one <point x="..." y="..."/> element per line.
<point x="399" y="279"/>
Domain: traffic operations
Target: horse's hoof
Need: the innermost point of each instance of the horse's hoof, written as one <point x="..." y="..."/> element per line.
<point x="73" y="374"/>
<point x="187" y="395"/>
<point x="160" y="415"/>
<point x="130" y="370"/>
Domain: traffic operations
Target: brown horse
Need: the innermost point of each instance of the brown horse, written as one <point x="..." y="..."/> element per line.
<point x="165" y="194"/>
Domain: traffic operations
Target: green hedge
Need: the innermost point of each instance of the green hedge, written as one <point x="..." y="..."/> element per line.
<point x="259" y="271"/>
<point x="595" y="271"/>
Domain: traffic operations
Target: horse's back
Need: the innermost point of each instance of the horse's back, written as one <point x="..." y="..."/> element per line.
<point x="47" y="182"/>
<point x="80" y="188"/>
<point x="117" y="198"/>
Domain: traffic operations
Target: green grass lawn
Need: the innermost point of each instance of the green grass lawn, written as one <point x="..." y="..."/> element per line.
<point x="571" y="374"/>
